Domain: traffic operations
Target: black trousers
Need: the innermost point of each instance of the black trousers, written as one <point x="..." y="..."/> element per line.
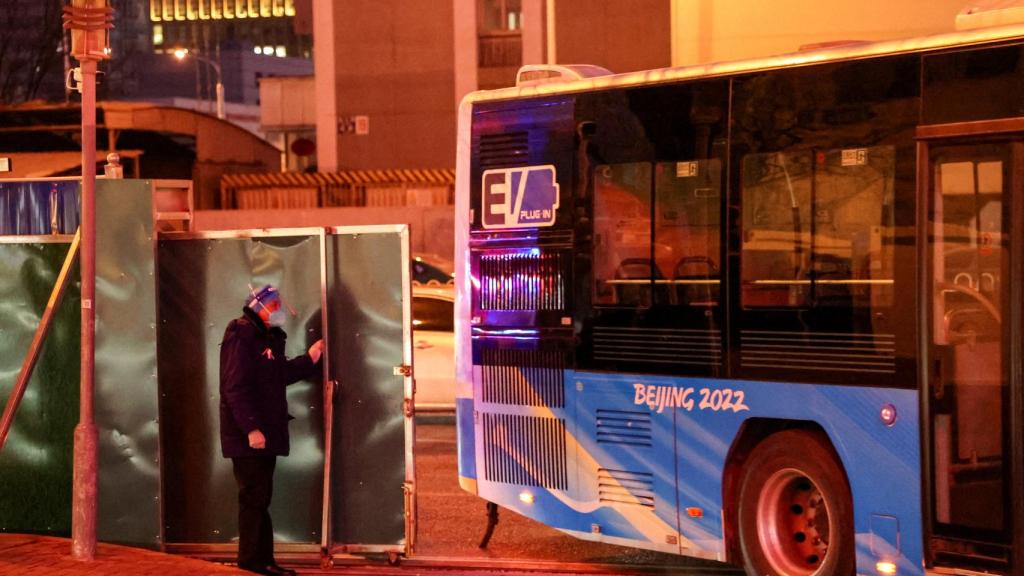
<point x="255" y="479"/>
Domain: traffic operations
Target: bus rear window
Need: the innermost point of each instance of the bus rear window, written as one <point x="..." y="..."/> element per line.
<point x="818" y="228"/>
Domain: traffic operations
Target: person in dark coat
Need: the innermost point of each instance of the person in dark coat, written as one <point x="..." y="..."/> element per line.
<point x="254" y="417"/>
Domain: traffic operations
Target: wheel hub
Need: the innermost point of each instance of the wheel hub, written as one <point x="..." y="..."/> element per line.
<point x="793" y="524"/>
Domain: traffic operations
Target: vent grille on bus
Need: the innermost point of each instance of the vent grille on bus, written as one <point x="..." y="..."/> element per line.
<point x="523" y="377"/>
<point x="526" y="280"/>
<point x="621" y="427"/>
<point x="658" y="345"/>
<point x="822" y="351"/>
<point x="503" y="150"/>
<point x="524" y="450"/>
<point x="623" y="487"/>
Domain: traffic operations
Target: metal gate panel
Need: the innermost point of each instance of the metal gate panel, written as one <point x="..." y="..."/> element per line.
<point x="40" y="451"/>
<point x="372" y="490"/>
<point x="204" y="280"/>
<point x="125" y="368"/>
<point x="35" y="465"/>
<point x="162" y="479"/>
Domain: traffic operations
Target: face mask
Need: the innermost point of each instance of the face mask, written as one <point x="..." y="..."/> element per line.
<point x="277" y="318"/>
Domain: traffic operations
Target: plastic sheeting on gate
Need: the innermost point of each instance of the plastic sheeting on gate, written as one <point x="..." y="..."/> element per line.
<point x="38" y="207"/>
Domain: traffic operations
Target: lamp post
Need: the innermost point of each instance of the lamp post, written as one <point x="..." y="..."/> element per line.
<point x="182" y="53"/>
<point x="89" y="22"/>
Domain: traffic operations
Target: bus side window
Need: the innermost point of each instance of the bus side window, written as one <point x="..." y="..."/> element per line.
<point x="623" y="273"/>
<point x="776" y="230"/>
<point x="853" y="228"/>
<point x="818" y="228"/>
<point x="688" y="230"/>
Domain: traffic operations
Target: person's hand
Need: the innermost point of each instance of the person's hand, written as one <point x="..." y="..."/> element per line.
<point x="256" y="440"/>
<point x="316" y="350"/>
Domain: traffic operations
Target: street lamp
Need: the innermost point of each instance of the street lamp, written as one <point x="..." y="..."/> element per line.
<point x="182" y="53"/>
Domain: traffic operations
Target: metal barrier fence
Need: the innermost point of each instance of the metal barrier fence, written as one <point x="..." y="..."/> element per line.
<point x="162" y="304"/>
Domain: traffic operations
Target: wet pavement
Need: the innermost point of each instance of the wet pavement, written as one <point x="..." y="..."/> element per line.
<point x="452" y="522"/>
<point x="26" y="555"/>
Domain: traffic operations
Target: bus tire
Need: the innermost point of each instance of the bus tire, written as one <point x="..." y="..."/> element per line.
<point x="795" y="511"/>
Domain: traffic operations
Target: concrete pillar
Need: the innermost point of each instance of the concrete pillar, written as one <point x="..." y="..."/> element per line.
<point x="326" y="85"/>
<point x="692" y="32"/>
<point x="466" y="64"/>
<point x="535" y="15"/>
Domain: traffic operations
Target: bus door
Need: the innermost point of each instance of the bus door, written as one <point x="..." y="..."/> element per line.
<point x="972" y="195"/>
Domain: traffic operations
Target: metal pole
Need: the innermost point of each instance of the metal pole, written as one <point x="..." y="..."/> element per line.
<point x="220" y="84"/>
<point x="83" y="501"/>
<point x="67" y="66"/>
<point x="220" y="96"/>
<point x="181" y="54"/>
<point x="90" y="22"/>
<point x="326" y="560"/>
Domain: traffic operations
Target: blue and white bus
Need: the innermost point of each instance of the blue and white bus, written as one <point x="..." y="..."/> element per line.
<point x="766" y="312"/>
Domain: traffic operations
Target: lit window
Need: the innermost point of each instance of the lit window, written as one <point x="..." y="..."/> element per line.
<point x="257" y="50"/>
<point x="268" y="50"/>
<point x="158" y="35"/>
<point x="500" y="15"/>
<point x="280" y="52"/>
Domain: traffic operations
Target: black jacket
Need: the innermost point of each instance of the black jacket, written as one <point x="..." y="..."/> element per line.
<point x="253" y="375"/>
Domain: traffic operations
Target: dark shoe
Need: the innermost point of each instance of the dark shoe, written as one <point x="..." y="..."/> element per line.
<point x="280" y="570"/>
<point x="268" y="570"/>
<point x="254" y="569"/>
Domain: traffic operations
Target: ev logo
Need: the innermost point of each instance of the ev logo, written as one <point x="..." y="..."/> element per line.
<point x="518" y="197"/>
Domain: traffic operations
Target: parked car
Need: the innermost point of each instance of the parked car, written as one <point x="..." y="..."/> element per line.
<point x="432" y="270"/>
<point x="433" y="326"/>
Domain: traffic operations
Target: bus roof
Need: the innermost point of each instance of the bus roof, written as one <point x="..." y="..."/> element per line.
<point x="852" y="51"/>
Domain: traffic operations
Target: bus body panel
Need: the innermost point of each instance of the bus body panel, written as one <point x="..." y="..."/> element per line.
<point x="692" y="423"/>
<point x="465" y="445"/>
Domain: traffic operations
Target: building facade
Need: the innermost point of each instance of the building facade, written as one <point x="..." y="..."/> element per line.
<point x="722" y="30"/>
<point x="248" y="39"/>
<point x="403" y="65"/>
<point x="390" y="73"/>
<point x="269" y="26"/>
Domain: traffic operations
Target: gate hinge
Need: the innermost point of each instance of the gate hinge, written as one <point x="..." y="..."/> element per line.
<point x="403" y="370"/>
<point x="409" y="408"/>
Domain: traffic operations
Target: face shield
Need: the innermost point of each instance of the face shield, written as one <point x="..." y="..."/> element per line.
<point x="268" y="305"/>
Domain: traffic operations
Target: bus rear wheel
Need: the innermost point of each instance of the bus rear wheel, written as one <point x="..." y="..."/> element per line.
<point x="795" y="512"/>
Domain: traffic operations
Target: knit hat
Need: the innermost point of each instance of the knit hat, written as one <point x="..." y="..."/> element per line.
<point x="263" y="298"/>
